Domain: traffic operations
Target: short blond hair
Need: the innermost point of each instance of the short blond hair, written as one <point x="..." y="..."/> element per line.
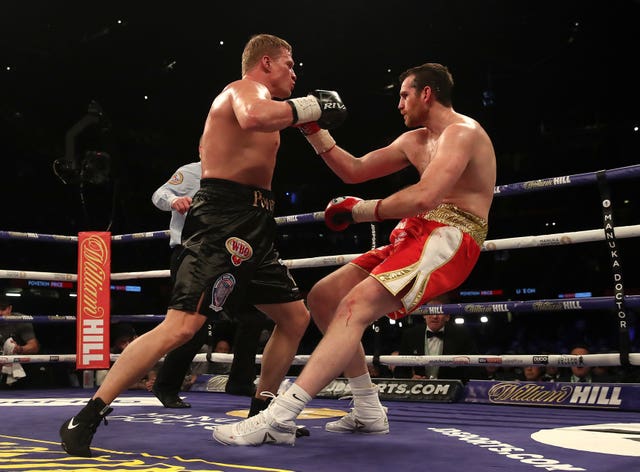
<point x="258" y="46"/>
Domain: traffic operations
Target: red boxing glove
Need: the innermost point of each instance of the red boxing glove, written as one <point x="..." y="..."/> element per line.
<point x="337" y="215"/>
<point x="342" y="211"/>
<point x="308" y="129"/>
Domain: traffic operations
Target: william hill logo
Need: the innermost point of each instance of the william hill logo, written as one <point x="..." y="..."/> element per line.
<point x="555" y="394"/>
<point x="596" y="395"/>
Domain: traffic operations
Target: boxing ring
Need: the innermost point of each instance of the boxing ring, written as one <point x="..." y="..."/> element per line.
<point x="593" y="428"/>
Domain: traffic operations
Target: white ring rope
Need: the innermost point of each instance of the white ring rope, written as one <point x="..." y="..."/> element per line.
<point x="555" y="239"/>
<point x="620" y="173"/>
<point x="559" y="360"/>
<point x="558" y="239"/>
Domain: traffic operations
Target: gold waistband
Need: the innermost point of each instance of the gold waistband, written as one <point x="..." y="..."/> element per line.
<point x="449" y="214"/>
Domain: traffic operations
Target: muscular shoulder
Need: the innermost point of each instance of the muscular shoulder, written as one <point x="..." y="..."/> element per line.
<point x="239" y="95"/>
<point x="467" y="128"/>
<point x="463" y="128"/>
<point x="409" y="139"/>
<point x="246" y="86"/>
<point x="467" y="135"/>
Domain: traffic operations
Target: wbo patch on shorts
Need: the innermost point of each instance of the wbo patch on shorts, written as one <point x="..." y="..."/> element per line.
<point x="239" y="249"/>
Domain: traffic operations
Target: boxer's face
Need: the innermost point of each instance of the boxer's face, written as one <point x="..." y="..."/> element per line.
<point x="283" y="76"/>
<point x="410" y="104"/>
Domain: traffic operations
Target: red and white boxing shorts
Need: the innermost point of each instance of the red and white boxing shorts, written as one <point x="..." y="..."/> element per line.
<point x="430" y="254"/>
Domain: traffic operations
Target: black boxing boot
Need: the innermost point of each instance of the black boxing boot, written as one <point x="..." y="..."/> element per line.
<point x="77" y="432"/>
<point x="169" y="400"/>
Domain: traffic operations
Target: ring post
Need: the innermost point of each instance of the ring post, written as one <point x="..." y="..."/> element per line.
<point x="616" y="268"/>
<point x="93" y="303"/>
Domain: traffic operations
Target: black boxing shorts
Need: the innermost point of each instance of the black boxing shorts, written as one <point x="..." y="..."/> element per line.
<point x="228" y="254"/>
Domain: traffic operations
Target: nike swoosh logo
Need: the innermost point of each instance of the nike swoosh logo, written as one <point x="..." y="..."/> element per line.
<point x="298" y="398"/>
<point x="71" y="425"/>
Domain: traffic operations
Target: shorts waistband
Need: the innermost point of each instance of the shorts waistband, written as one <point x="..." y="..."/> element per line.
<point x="449" y="214"/>
<point x="240" y="193"/>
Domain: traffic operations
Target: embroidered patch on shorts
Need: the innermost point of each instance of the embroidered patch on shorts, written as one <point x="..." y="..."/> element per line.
<point x="222" y="288"/>
<point x="239" y="249"/>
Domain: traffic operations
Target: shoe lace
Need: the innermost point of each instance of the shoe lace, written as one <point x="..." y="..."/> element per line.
<point x="266" y="393"/>
<point x="251" y="424"/>
<point x="256" y="421"/>
<point x="104" y="414"/>
<point x="352" y="404"/>
<point x="93" y="425"/>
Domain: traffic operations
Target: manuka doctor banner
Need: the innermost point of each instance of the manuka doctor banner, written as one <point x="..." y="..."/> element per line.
<point x="612" y="396"/>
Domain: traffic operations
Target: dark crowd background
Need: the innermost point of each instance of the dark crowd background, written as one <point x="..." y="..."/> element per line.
<point x="554" y="84"/>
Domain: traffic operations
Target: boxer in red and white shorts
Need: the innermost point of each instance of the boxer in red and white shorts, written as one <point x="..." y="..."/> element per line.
<point x="432" y="251"/>
<point x="429" y="254"/>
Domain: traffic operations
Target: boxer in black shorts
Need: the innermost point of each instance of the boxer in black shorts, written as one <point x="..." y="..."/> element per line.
<point x="236" y="261"/>
<point x="246" y="321"/>
<point x="229" y="231"/>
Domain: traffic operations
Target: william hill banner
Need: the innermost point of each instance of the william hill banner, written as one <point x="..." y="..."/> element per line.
<point x="93" y="311"/>
<point x="613" y="396"/>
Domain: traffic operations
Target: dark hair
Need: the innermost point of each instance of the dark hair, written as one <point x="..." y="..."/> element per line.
<point x="580" y="345"/>
<point x="433" y="75"/>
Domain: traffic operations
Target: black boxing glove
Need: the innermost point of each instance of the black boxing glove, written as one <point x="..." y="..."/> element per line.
<point x="323" y="106"/>
<point x="334" y="112"/>
<point x="342" y="211"/>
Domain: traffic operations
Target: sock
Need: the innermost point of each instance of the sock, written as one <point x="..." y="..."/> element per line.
<point x="365" y="396"/>
<point x="360" y="382"/>
<point x="290" y="404"/>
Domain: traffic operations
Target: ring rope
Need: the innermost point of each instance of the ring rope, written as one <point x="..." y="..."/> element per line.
<point x="573" y="180"/>
<point x="560" y="360"/>
<point x="619" y="173"/>
<point x="513" y="306"/>
<point x="470" y="360"/>
<point x="554" y="239"/>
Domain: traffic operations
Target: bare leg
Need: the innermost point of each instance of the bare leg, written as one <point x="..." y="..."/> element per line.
<point x="142" y="354"/>
<point x="291" y="321"/>
<point x="340" y="350"/>
<point x="337" y="349"/>
<point x="323" y="302"/>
